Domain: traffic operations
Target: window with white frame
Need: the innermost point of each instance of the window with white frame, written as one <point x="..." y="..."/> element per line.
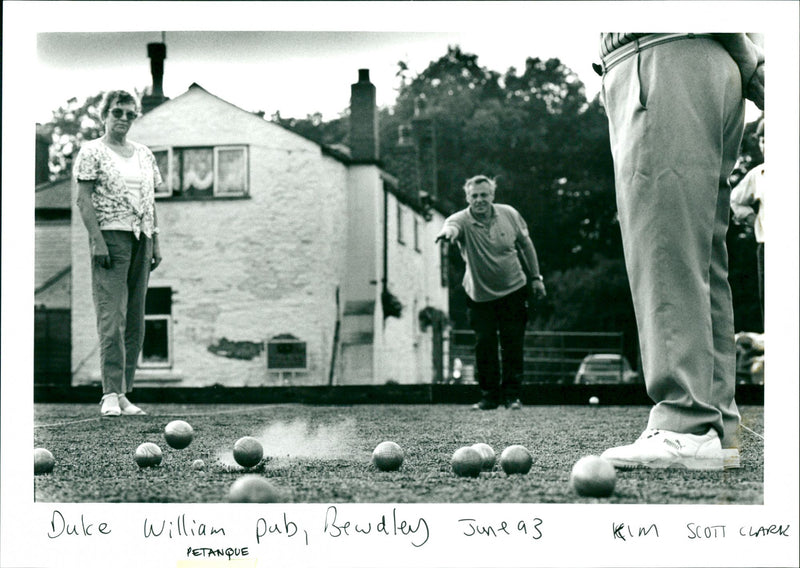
<point x="162" y="160"/>
<point x="230" y="170"/>
<point x="157" y="348"/>
<point x="203" y="172"/>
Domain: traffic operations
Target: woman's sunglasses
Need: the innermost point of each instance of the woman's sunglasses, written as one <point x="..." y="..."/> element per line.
<point x="118" y="112"/>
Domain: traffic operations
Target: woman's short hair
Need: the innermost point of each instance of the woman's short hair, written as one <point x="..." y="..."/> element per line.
<point x="118" y="97"/>
<point x="475" y="180"/>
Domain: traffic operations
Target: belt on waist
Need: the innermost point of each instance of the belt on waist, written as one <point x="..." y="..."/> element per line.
<point x="651" y="40"/>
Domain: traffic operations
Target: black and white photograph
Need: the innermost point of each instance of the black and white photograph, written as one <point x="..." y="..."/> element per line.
<point x="399" y="284"/>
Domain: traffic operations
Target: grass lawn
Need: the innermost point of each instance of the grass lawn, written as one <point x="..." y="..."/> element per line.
<point x="321" y="454"/>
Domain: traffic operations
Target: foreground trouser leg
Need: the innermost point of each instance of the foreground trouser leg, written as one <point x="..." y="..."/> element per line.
<point x="675" y="120"/>
<point x="110" y="295"/>
<point x="512" y="317"/>
<point x="137" y="281"/>
<point x="483" y="321"/>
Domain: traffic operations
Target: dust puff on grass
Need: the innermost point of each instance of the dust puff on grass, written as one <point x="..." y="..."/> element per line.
<point x="298" y="440"/>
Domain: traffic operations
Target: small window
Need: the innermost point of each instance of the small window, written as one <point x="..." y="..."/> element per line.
<point x="400" y="236"/>
<point x="163" y="161"/>
<point x="287" y="353"/>
<point x="197" y="172"/>
<point x="203" y="172"/>
<point x="416" y="233"/>
<point x="231" y="170"/>
<point x="157" y="348"/>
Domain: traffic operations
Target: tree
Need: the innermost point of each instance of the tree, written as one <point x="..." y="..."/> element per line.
<point x="329" y="133"/>
<point x="548" y="148"/>
<point x="71" y="124"/>
<point x="535" y="132"/>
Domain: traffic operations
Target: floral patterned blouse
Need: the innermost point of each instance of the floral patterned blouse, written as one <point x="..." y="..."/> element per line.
<point x="110" y="197"/>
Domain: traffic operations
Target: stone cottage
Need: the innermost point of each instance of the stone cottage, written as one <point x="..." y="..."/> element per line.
<point x="285" y="261"/>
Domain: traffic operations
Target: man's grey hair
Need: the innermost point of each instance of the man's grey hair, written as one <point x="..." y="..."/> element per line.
<point x="475" y="180"/>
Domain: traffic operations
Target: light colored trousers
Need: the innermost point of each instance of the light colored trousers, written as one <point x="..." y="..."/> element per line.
<point x="119" y="299"/>
<point x="676" y="116"/>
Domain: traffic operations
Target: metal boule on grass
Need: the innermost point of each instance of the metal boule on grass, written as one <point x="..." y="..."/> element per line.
<point x="387" y="456"/>
<point x="253" y="489"/>
<point x="147" y="455"/>
<point x="467" y="462"/>
<point x="198" y="465"/>
<point x="593" y="476"/>
<point x="487" y="455"/>
<point x="178" y="434"/>
<point x="594" y="400"/>
<point x="43" y="461"/>
<point x="516" y="459"/>
<point x="248" y="451"/>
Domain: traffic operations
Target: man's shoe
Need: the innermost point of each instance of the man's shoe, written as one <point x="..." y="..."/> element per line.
<point x="128" y="408"/>
<point x="109" y="405"/>
<point x="731" y="459"/>
<point x="661" y="449"/>
<point x="485" y="405"/>
<point x="514" y="404"/>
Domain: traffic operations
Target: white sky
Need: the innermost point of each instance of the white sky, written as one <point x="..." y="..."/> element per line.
<point x="502" y="35"/>
<point x="298" y="58"/>
<point x="297" y="73"/>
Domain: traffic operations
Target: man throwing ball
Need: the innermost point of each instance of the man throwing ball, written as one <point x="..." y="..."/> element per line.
<point x="675" y="105"/>
<point x="501" y="265"/>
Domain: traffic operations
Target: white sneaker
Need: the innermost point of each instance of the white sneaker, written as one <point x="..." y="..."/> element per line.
<point x="109" y="405"/>
<point x="128" y="408"/>
<point x="664" y="449"/>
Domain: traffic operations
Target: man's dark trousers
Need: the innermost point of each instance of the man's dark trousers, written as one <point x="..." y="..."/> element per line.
<point x="504" y="317"/>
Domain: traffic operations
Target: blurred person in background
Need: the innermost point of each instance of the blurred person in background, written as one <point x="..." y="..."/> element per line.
<point x="747" y="204"/>
<point x="502" y="271"/>
<point x="116" y="180"/>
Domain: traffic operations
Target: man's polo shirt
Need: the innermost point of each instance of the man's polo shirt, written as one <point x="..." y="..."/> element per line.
<point x="489" y="250"/>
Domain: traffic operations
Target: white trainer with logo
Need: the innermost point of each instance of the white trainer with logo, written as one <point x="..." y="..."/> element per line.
<point x="661" y="449"/>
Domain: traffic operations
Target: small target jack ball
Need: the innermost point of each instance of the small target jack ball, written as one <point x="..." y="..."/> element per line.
<point x="148" y="455"/>
<point x="253" y="489"/>
<point x="198" y="465"/>
<point x="178" y="434"/>
<point x="487" y="455"/>
<point x="467" y="462"/>
<point x="594" y="400"/>
<point x="516" y="459"/>
<point x="593" y="476"/>
<point x="387" y="456"/>
<point x="248" y="451"/>
<point x="43" y="461"/>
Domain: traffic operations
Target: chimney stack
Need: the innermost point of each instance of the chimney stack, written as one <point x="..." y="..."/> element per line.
<point x="363" y="120"/>
<point x="157" y="52"/>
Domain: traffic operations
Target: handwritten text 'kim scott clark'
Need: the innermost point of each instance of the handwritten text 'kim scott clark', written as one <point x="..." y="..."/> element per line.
<point x="625" y="531"/>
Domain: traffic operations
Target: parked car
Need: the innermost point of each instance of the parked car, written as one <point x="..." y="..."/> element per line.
<point x="605" y="368"/>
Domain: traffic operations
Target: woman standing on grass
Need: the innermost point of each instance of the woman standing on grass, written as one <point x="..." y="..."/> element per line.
<point x="116" y="181"/>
